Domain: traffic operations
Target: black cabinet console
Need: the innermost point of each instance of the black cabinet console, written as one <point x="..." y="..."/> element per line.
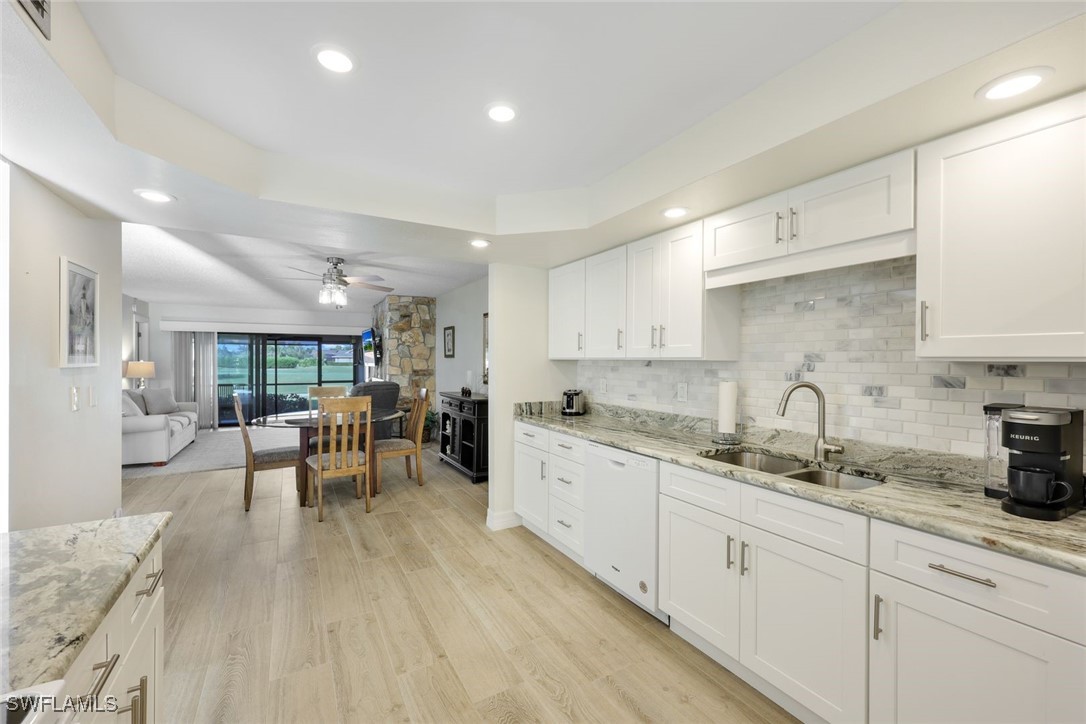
<point x="463" y="435"/>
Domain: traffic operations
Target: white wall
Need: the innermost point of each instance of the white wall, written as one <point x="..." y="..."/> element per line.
<point x="65" y="466"/>
<point x="519" y="371"/>
<point x="5" y="346"/>
<point x="463" y="309"/>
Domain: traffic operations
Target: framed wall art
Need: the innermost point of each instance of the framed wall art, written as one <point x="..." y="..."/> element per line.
<point x="450" y="341"/>
<point x="79" y="314"/>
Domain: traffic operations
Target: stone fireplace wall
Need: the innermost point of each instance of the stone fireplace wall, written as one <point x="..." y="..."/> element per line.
<point x="406" y="326"/>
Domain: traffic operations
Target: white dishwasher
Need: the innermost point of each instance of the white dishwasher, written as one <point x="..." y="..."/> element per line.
<point x="620" y="503"/>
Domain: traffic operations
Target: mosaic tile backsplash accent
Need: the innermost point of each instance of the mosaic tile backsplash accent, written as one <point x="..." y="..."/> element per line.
<point x="850" y="331"/>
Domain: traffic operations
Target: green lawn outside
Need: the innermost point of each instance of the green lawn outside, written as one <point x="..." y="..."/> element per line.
<point x="333" y="374"/>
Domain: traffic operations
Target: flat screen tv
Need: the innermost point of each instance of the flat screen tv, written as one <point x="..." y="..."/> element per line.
<point x="369" y="348"/>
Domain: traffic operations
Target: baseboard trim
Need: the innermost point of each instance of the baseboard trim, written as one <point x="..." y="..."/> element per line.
<point x="500" y="520"/>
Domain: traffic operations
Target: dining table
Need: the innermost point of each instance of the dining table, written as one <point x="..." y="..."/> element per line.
<point x="308" y="424"/>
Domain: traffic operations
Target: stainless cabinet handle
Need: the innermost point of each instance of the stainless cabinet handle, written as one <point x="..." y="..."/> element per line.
<point x="619" y="340"/>
<point x="943" y="569"/>
<point x="567" y="482"/>
<point x="140" y="702"/>
<point x="877" y="629"/>
<point x="565" y="446"/>
<point x="616" y="570"/>
<point x="150" y="590"/>
<point x="580" y="341"/>
<point x="661" y="335"/>
<point x="528" y="434"/>
<point x="923" y="320"/>
<point x="793" y="223"/>
<point x="106" y="667"/>
<point x="728" y="555"/>
<point x="542" y="470"/>
<point x="654" y="336"/>
<point x="133" y="710"/>
<point x="564" y="523"/>
<point x="743" y="558"/>
<point x="777" y="232"/>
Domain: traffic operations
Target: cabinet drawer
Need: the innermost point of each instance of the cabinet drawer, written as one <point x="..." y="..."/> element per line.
<point x="537" y="437"/>
<point x="567" y="525"/>
<point x="468" y="408"/>
<point x="106" y="650"/>
<point x="567" y="481"/>
<point x="138" y="597"/>
<point x="568" y="448"/>
<point x="451" y="404"/>
<point x="1034" y="594"/>
<point x="828" y="529"/>
<point x="704" y="490"/>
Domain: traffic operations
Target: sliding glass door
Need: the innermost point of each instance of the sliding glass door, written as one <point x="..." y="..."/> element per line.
<point x="272" y="374"/>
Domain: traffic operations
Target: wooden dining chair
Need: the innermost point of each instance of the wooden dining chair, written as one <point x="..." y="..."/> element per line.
<point x="344" y="447"/>
<point x="407" y="446"/>
<point x="267" y="459"/>
<point x="318" y="393"/>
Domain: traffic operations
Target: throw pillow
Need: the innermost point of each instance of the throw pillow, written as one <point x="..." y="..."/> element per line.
<point x="137" y="397"/>
<point x="160" y="401"/>
<point x="129" y="408"/>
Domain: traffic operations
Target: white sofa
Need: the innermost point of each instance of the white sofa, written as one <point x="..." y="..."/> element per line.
<point x="155" y="438"/>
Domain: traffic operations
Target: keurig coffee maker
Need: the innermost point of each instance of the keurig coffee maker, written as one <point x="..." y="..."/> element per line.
<point x="1044" y="472"/>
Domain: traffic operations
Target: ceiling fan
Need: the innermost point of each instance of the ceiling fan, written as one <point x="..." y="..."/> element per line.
<point x="334" y="282"/>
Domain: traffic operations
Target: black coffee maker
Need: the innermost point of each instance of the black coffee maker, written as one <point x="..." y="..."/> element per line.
<point x="1044" y="472"/>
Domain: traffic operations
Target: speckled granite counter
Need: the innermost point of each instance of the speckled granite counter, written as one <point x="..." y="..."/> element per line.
<point x="58" y="585"/>
<point x="935" y="492"/>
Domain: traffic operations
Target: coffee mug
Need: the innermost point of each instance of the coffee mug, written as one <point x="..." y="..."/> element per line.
<point x="1036" y="485"/>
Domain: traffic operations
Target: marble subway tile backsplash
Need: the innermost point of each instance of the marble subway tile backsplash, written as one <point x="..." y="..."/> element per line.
<point x="851" y="331"/>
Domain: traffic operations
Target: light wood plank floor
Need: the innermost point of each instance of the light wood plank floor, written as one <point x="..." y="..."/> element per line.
<point x="415" y="612"/>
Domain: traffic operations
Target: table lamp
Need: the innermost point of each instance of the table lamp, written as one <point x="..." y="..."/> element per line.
<point x="141" y="370"/>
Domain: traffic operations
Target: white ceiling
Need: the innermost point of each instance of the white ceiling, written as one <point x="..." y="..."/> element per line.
<point x="229" y="243"/>
<point x="596" y="85"/>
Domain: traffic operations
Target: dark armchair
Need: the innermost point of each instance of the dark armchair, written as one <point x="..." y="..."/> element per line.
<point x="385" y="396"/>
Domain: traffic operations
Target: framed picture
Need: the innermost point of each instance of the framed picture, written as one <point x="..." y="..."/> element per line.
<point x="78" y="315"/>
<point x="450" y="341"/>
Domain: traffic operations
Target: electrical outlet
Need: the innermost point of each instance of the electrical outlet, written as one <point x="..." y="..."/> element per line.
<point x="75" y="399"/>
<point x="681" y="390"/>
<point x="603" y="386"/>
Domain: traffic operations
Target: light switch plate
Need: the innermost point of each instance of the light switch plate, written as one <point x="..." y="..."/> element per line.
<point x="92" y="399"/>
<point x="75" y="398"/>
<point x="681" y="391"/>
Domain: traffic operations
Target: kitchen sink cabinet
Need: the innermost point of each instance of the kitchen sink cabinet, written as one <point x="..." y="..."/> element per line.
<point x="531" y="492"/>
<point x="566" y="310"/>
<point x="605" y="305"/>
<point x="1001" y="263"/>
<point x="774" y="234"/>
<point x="933" y="658"/>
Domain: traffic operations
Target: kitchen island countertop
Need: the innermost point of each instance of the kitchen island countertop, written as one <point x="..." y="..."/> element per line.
<point x="58" y="585"/>
<point x="935" y="492"/>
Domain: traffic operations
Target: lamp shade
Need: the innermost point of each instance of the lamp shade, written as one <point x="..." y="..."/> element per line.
<point x="140" y="369"/>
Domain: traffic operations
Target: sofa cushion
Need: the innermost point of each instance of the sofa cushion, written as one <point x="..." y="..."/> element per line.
<point x="185" y="417"/>
<point x="129" y="408"/>
<point x="175" y="427"/>
<point x="160" y="401"/>
<point x="137" y="397"/>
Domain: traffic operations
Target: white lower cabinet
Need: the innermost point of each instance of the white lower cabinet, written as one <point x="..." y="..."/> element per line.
<point x="933" y="658"/>
<point x="530" y="489"/>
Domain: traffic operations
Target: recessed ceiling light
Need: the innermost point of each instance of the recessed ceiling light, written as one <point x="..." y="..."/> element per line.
<point x="480" y="243"/>
<point x="334" y="59"/>
<point x="1012" y="84"/>
<point x="676" y="212"/>
<point x="155" y="197"/>
<point x="501" y="112"/>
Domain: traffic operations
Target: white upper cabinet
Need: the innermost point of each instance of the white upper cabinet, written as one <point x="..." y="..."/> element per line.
<point x="811" y="227"/>
<point x="751" y="232"/>
<point x="1001" y="238"/>
<point x="566" y="299"/>
<point x="644" y="272"/>
<point x="605" y="304"/>
<point x="682" y="294"/>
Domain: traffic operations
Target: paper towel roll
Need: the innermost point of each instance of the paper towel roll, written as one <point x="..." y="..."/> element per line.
<point x="727" y="404"/>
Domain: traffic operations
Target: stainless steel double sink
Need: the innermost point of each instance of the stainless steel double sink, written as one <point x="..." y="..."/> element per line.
<point x="795" y="469"/>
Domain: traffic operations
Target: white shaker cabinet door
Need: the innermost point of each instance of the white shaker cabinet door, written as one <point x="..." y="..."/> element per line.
<point x="802" y="626"/>
<point x="682" y="293"/>
<point x="531" y="493"/>
<point x="565" y="324"/>
<point x="699" y="572"/>
<point x="1001" y="238"/>
<point x="936" y="659"/>
<point x="605" y="304"/>
<point x="747" y="233"/>
<point x="644" y="271"/>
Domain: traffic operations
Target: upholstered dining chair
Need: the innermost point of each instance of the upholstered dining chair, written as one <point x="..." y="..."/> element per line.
<point x="267" y="459"/>
<point x="408" y="446"/>
<point x="344" y="447"/>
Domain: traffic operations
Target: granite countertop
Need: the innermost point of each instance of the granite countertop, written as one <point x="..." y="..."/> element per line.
<point x="58" y="585"/>
<point x="935" y="492"/>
